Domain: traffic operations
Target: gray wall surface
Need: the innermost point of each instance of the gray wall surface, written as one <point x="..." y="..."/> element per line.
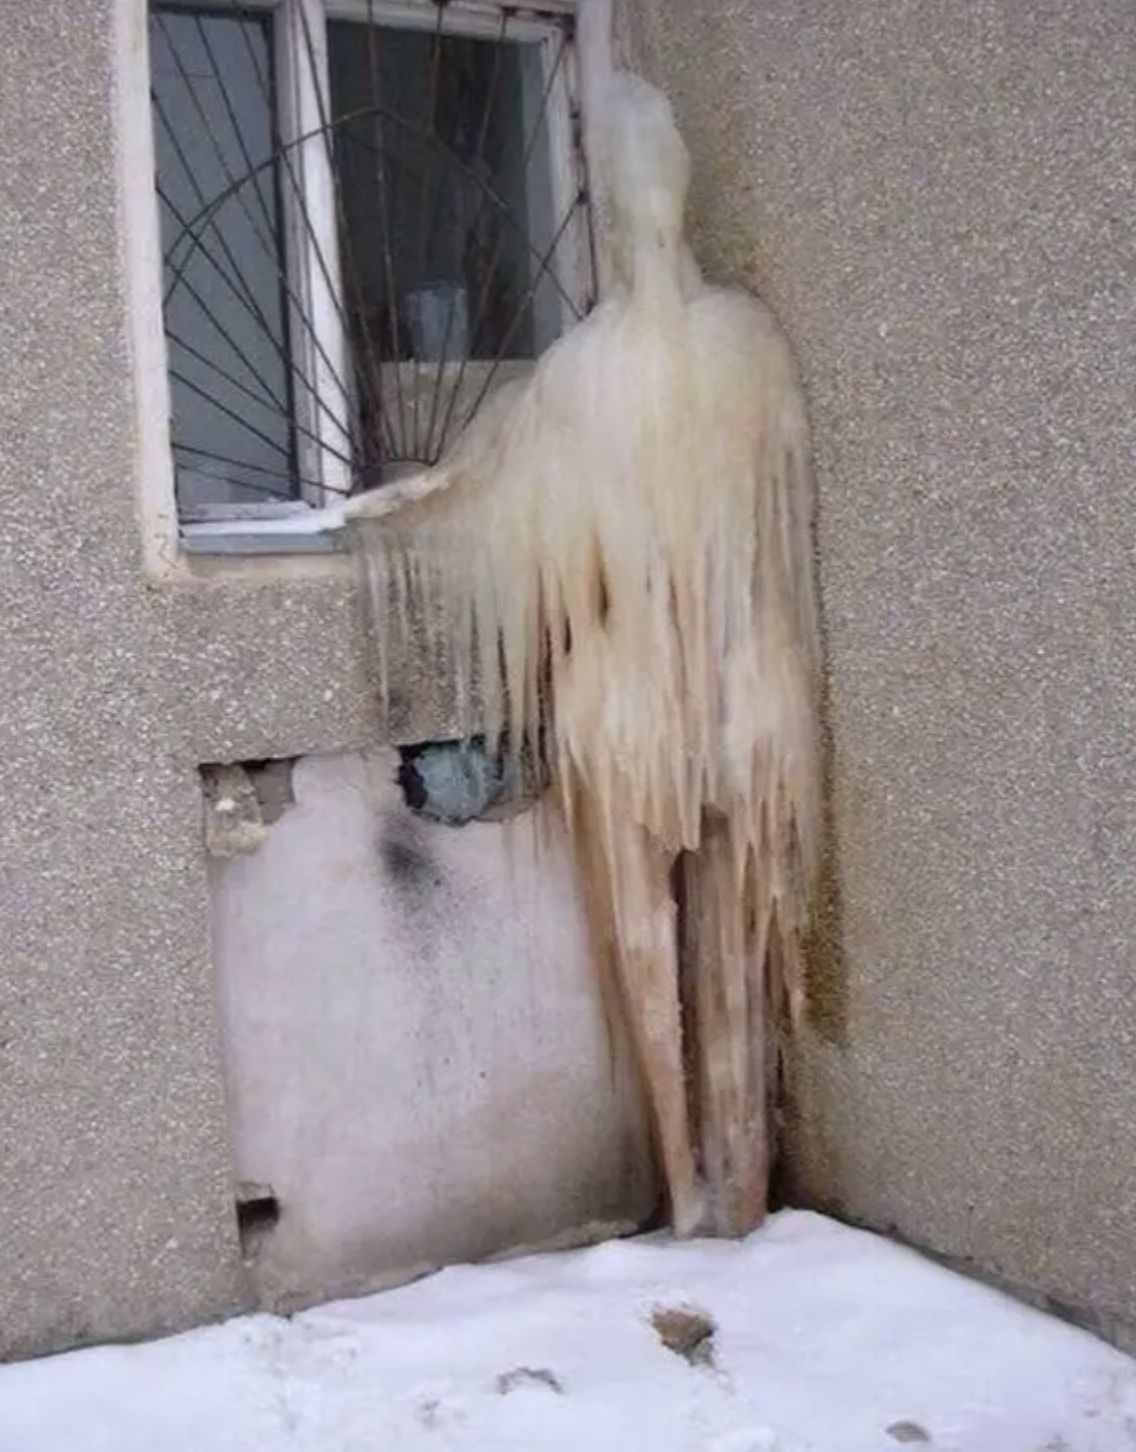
<point x="117" y="1165"/>
<point x="937" y="199"/>
<point x="116" y="1196"/>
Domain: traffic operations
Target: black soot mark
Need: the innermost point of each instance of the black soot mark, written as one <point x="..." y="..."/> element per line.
<point x="407" y="865"/>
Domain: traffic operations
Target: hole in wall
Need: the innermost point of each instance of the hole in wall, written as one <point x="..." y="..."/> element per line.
<point x="452" y="782"/>
<point x="272" y="782"/>
<point x="242" y="800"/>
<point x="258" y="1214"/>
<point x="463" y="780"/>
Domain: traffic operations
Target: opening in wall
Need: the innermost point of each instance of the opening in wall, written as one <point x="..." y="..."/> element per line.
<point x="371" y="215"/>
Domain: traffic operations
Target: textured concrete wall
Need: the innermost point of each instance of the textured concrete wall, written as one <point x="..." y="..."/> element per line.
<point x="937" y="199"/>
<point x="114" y="1199"/>
<point x="116" y="1193"/>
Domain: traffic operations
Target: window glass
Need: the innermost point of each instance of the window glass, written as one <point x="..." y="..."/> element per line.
<point x="223" y="297"/>
<point x="362" y="233"/>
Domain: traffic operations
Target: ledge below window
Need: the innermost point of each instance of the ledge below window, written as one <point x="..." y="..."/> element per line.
<point x="284" y="529"/>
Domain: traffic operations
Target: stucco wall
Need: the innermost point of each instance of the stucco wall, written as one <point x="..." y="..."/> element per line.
<point x="937" y="199"/>
<point x="116" y="1174"/>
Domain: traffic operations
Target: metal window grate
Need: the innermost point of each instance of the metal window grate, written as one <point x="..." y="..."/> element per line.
<point x="370" y="217"/>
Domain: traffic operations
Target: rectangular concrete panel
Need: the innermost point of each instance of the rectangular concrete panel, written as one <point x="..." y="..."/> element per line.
<point x="417" y="1063"/>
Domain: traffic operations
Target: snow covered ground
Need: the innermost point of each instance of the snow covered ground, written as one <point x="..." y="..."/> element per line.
<point x="808" y="1336"/>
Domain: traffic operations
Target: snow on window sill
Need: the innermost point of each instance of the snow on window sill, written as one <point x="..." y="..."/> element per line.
<point x="283" y="529"/>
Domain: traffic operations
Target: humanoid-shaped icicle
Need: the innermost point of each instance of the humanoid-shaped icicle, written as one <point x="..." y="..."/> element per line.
<point x="618" y="549"/>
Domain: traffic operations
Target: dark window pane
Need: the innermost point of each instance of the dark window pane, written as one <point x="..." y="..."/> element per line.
<point x="224" y="301"/>
<point x="445" y="215"/>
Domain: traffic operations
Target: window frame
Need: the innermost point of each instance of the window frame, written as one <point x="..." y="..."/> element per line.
<point x="296" y="526"/>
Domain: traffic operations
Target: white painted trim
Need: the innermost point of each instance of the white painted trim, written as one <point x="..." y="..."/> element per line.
<point x="324" y="400"/>
<point x="595" y="58"/>
<point x="461" y="17"/>
<point x="141" y="254"/>
<point x="570" y="263"/>
<point x="310" y="521"/>
<point x="482" y="15"/>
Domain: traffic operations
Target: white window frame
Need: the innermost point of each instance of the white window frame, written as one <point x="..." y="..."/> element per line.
<point x="296" y="526"/>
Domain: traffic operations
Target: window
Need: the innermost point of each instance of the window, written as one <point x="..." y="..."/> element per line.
<point x="370" y="215"/>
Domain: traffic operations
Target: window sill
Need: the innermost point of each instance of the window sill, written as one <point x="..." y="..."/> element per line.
<point x="307" y="531"/>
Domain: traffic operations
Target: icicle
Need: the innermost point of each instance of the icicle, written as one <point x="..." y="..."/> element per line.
<point x="617" y="554"/>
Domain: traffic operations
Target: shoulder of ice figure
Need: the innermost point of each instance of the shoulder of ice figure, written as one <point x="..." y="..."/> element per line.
<point x="733" y="319"/>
